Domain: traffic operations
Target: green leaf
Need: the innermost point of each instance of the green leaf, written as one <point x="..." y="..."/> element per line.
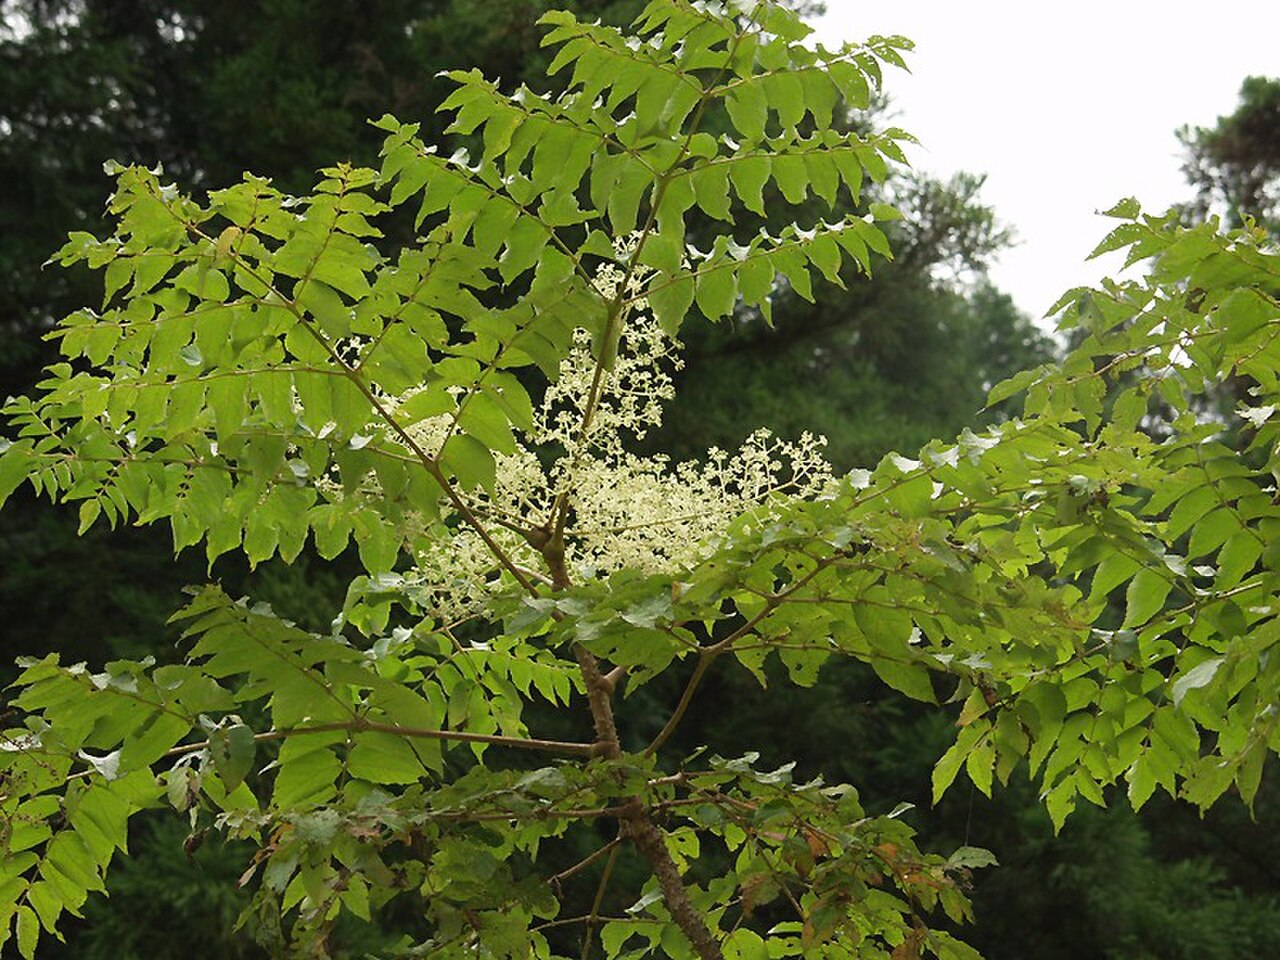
<point x="945" y="770"/>
<point x="786" y="95"/>
<point x="1211" y="532"/>
<point x="624" y="198"/>
<point x="749" y="175"/>
<point x="470" y="461"/>
<point x="1142" y="781"/>
<point x="323" y="303"/>
<point x="1237" y="558"/>
<point x="101" y="818"/>
<point x="792" y="177"/>
<point x="803" y="665"/>
<point x="1126" y="209"/>
<point x="27" y="928"/>
<point x="232" y="749"/>
<point x="1115" y="569"/>
<point x="524" y="245"/>
<point x="48" y="905"/>
<point x="980" y="765"/>
<point x="749" y="110"/>
<point x="1198" y="676"/>
<point x="909" y="678"/>
<point x="851" y="83"/>
<point x="671" y="300"/>
<point x="377" y="542"/>
<point x="756" y="280"/>
<point x="89" y="512"/>
<point x="711" y="188"/>
<point x="384" y="758"/>
<point x="744" y="944"/>
<point x="484" y="419"/>
<point x="716" y="292"/>
<point x="971" y="858"/>
<point x="307" y="769"/>
<point x="1145" y="595"/>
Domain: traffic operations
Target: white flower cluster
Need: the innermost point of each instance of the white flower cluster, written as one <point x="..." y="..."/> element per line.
<point x="624" y="511"/>
<point x="454" y="578"/>
<point x="647" y="514"/>
<point x="631" y="393"/>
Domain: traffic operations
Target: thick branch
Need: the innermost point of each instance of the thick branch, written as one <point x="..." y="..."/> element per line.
<point x="635" y="821"/>
<point x="599" y="698"/>
<point x="651" y="844"/>
<point x="636" y="825"/>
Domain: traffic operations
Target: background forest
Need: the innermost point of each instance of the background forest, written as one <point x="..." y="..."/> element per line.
<point x="283" y="87"/>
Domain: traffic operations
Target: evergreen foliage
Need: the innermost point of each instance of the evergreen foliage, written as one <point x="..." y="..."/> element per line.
<point x="1235" y="164"/>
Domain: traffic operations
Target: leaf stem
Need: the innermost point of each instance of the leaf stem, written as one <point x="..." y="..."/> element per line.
<point x="568" y="748"/>
<point x="586" y="861"/>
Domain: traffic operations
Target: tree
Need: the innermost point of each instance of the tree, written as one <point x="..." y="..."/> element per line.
<point x="259" y="375"/>
<point x="192" y="71"/>
<point x="169" y="81"/>
<point x="1235" y="165"/>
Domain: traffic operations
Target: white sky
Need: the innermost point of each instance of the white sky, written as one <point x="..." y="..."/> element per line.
<point x="1067" y="107"/>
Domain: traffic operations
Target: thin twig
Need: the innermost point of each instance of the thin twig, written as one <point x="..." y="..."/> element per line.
<point x="772" y="603"/>
<point x="594" y="915"/>
<point x="704" y="661"/>
<point x="416" y="733"/>
<point x="586" y="861"/>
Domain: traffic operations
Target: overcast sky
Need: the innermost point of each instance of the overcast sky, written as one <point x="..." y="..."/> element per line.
<point x="1067" y="107"/>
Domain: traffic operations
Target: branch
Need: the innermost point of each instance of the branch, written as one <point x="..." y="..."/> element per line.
<point x="586" y="861"/>
<point x="571" y="813"/>
<point x="651" y="843"/>
<point x="636" y="824"/>
<point x="707" y="654"/>
<point x="704" y="660"/>
<point x="417" y="733"/>
<point x="617" y="307"/>
<point x="599" y="696"/>
<point x="593" y="916"/>
<point x="772" y="602"/>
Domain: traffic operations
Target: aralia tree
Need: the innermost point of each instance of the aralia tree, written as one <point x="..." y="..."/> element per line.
<point x="461" y="412"/>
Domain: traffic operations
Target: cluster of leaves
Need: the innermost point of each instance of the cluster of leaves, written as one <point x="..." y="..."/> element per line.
<point x="215" y="389"/>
